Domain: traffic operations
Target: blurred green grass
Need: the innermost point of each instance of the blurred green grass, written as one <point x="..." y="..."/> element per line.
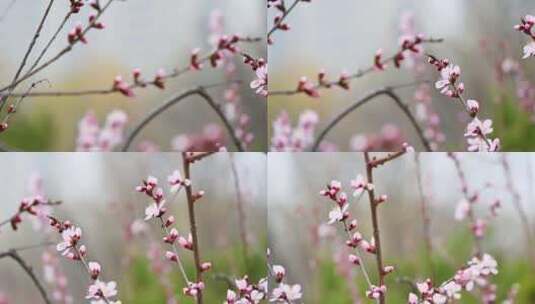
<point x="332" y="288"/>
<point x="142" y="286"/>
<point x="514" y="126"/>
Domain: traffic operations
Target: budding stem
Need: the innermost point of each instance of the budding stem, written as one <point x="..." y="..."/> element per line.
<point x="193" y="226"/>
<point x="375" y="223"/>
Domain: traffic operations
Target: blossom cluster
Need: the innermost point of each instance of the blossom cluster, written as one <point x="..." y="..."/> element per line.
<point x="247" y="292"/>
<point x="355" y="240"/>
<point x="476" y="273"/>
<point x="91" y="137"/>
<point x="285" y="138"/>
<point x="282" y="11"/>
<point x="157" y="210"/>
<point x="70" y="247"/>
<point x="389" y="138"/>
<point x="283" y="292"/>
<point x="36" y="206"/>
<point x="526" y="27"/>
<point x="78" y="32"/>
<point x="211" y="139"/>
<point x="477" y="131"/>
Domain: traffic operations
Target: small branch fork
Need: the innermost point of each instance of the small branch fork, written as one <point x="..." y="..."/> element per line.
<point x="387" y="91"/>
<point x="13" y="254"/>
<point x="200" y="91"/>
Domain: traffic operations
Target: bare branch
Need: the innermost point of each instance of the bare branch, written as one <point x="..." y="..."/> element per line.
<point x="13" y="254"/>
<point x="388" y="91"/>
<point x="201" y="91"/>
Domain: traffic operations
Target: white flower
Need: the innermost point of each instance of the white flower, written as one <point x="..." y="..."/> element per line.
<point x="99" y="290"/>
<point x="70" y="237"/>
<point x="153" y="210"/>
<point x="177" y="182"/>
<point x="261" y="81"/>
<point x="359" y="184"/>
<point x="463" y="207"/>
<point x="477" y="127"/>
<point x="529" y="50"/>
<point x="94" y="269"/>
<point x="337" y="214"/>
<point x="286" y="292"/>
<point x="452" y="290"/>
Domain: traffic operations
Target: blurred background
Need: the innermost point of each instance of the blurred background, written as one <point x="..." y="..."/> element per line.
<point x="313" y="254"/>
<point x="98" y="195"/>
<point x="138" y="35"/>
<point x="345" y="35"/>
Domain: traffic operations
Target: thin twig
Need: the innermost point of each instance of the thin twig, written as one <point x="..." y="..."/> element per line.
<point x="45" y="49"/>
<point x="61" y="53"/>
<point x="356" y="75"/>
<point x="469" y="200"/>
<point x="517" y="202"/>
<point x="388" y="91"/>
<point x="28" y="51"/>
<point x="241" y="212"/>
<point x="281" y="19"/>
<point x="7" y="9"/>
<point x="426" y="220"/>
<point x="13" y="254"/>
<point x="201" y="91"/>
<point x="174" y="73"/>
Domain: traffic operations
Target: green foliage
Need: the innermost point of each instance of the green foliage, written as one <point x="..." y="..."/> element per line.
<point x="514" y="126"/>
<point x="30" y="132"/>
<point x="141" y="285"/>
<point x="330" y="287"/>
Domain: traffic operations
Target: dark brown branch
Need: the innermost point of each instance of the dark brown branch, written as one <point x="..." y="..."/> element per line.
<point x="375" y="223"/>
<point x="193" y="225"/>
<point x="201" y="91"/>
<point x="388" y="91"/>
<point x="13" y="254"/>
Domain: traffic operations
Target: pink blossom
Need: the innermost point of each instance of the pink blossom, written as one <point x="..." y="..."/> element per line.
<point x="171" y="256"/>
<point x="94" y="269"/>
<point x="99" y="290"/>
<point x="70" y="236"/>
<point x="154" y="210"/>
<point x="177" y="182"/>
<point x="529" y="50"/>
<point x="260" y="84"/>
<point x="286" y="292"/>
